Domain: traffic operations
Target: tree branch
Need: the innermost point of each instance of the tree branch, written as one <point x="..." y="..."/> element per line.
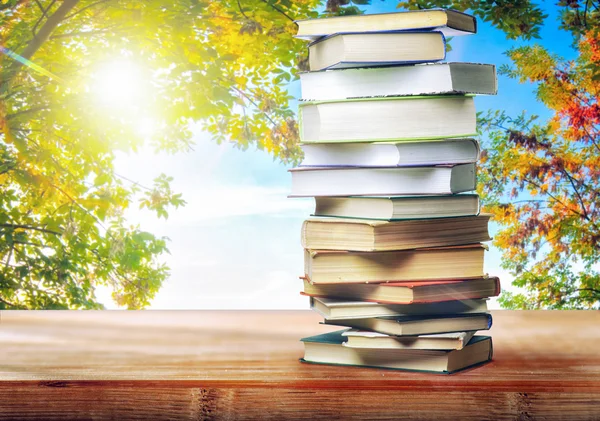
<point x="555" y="198"/>
<point x="8" y="303"/>
<point x="10" y="252"/>
<point x="595" y="291"/>
<point x="42" y="36"/>
<point x="85" y="8"/>
<point x="242" y="93"/>
<point x="276" y="8"/>
<point x="79" y="206"/>
<point x="82" y="34"/>
<point x="30" y="227"/>
<point x="27" y="111"/>
<point x="44" y="15"/>
<point x="242" y="10"/>
<point x="4" y="6"/>
<point x="572" y="181"/>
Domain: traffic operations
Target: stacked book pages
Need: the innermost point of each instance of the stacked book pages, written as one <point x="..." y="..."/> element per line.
<point x="393" y="252"/>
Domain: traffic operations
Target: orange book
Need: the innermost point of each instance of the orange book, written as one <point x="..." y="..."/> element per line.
<point x="408" y="292"/>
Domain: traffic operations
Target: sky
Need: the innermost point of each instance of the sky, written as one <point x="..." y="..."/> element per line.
<point x="236" y="244"/>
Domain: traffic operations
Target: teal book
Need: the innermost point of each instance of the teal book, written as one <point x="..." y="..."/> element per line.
<point x="329" y="348"/>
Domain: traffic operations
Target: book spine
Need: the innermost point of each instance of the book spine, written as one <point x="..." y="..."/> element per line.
<point x="303" y="233"/>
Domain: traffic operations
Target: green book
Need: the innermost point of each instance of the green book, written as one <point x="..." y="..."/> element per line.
<point x="329" y="348"/>
<point x="388" y="119"/>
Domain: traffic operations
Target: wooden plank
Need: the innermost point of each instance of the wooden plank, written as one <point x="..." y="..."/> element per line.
<point x="244" y="365"/>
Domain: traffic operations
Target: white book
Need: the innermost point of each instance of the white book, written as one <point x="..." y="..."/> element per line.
<point x="397" y="208"/>
<point x="341" y="51"/>
<point x="401" y="154"/>
<point x="388" y="119"/>
<point x="311" y="182"/>
<point x="420" y="79"/>
<point x="375" y="340"/>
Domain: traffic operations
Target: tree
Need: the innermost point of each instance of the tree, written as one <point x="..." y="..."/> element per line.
<point x="82" y="79"/>
<point x="540" y="179"/>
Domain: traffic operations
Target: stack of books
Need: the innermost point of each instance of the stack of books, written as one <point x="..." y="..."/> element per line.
<point x="393" y="251"/>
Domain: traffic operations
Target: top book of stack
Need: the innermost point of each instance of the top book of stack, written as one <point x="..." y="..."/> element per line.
<point x="449" y="22"/>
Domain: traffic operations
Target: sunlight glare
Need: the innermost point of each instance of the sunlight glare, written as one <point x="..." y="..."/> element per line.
<point x="146" y="127"/>
<point x="118" y="83"/>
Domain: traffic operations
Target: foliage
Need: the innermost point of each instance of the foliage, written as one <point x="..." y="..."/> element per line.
<point x="518" y="18"/>
<point x="62" y="122"/>
<point x="540" y="179"/>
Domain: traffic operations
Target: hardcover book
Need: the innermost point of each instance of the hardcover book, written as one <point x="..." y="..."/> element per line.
<point x="388" y="119"/>
<point x="415" y="325"/>
<point x="350" y="267"/>
<point x="336" y="309"/>
<point x="408" y="292"/>
<point x="369" y="235"/>
<point x="328" y="348"/>
<point x="394" y="181"/>
<point x="399" y="207"/>
<point x="341" y="51"/>
<point x="450" y="22"/>
<point x="375" y="340"/>
<point x="420" y="79"/>
<point x="383" y="154"/>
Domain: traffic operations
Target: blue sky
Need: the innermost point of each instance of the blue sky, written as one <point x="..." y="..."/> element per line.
<point x="236" y="245"/>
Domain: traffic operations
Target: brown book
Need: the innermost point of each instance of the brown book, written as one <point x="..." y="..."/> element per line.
<point x="427" y="264"/>
<point x="370" y="235"/>
<point x="408" y="292"/>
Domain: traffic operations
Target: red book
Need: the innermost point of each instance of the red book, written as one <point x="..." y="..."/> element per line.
<point x="408" y="292"/>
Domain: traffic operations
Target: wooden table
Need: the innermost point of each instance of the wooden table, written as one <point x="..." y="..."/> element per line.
<point x="244" y="365"/>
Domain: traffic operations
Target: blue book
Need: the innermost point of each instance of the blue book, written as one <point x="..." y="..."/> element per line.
<point x="329" y="348"/>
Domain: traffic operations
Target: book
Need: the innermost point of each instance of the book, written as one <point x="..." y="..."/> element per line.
<point x="388" y="119"/>
<point x="328" y="348"/>
<point x="407" y="292"/>
<point x="411" y="325"/>
<point x="450" y="22"/>
<point x="340" y="51"/>
<point x="394" y="181"/>
<point x="375" y="340"/>
<point x="397" y="154"/>
<point x="368" y="235"/>
<point x="398" y="208"/>
<point x="426" y="264"/>
<point x="419" y="79"/>
<point x="335" y="309"/>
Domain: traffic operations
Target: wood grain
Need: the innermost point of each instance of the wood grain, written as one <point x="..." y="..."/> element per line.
<point x="244" y="365"/>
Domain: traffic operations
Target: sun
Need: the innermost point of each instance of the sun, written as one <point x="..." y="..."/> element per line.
<point x="118" y="84"/>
